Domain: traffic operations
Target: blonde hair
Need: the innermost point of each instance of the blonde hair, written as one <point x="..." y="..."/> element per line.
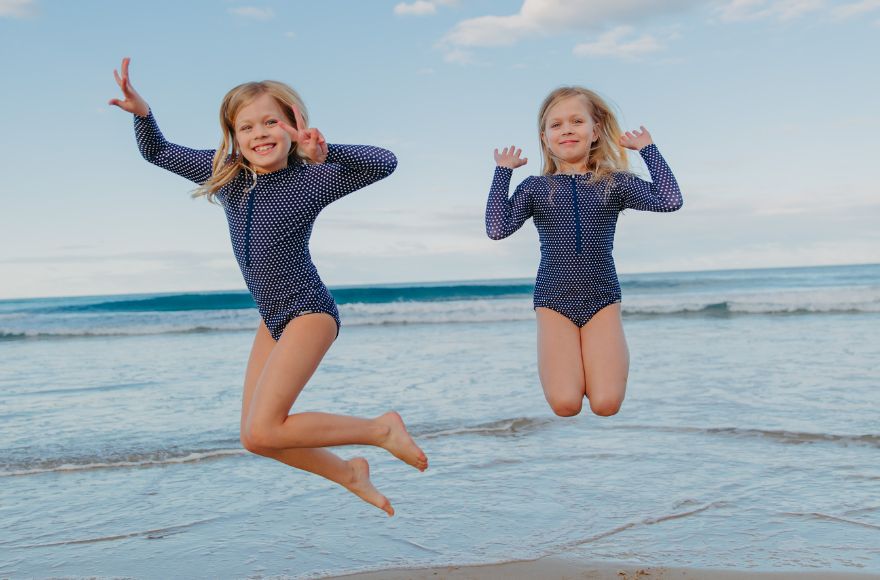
<point x="229" y="163"/>
<point x="606" y="155"/>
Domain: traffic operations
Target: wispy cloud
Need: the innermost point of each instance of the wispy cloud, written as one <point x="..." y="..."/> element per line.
<point x="417" y="8"/>
<point x="545" y="17"/>
<point x="541" y="18"/>
<point x="856" y="8"/>
<point x="254" y="12"/>
<point x="421" y="7"/>
<point x="17" y="8"/>
<point x="459" y="56"/>
<point x="619" y="43"/>
<point x="737" y="10"/>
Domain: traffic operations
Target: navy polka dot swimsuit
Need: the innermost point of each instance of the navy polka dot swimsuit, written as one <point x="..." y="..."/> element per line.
<point x="271" y="224"/>
<point x="576" y="219"/>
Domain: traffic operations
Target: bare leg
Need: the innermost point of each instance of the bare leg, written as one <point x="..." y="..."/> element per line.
<point x="353" y="474"/>
<point x="291" y="363"/>
<point x="560" y="363"/>
<point x="605" y="360"/>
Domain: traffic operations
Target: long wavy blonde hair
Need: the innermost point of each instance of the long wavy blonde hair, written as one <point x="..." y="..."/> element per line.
<point x="606" y="156"/>
<point x="229" y="163"/>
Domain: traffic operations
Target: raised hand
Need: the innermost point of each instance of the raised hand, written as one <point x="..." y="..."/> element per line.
<point x="133" y="102"/>
<point x="636" y="139"/>
<point x="510" y="157"/>
<point x="310" y="142"/>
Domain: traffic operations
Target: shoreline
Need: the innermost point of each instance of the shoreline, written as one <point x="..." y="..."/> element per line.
<point x="568" y="568"/>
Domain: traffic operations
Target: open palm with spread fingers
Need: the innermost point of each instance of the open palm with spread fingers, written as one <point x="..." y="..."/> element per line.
<point x="510" y="157"/>
<point x="636" y="139"/>
<point x="310" y="142"/>
<point x="133" y="102"/>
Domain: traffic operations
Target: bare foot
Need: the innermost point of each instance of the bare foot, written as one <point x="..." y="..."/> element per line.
<point x="399" y="443"/>
<point x="361" y="486"/>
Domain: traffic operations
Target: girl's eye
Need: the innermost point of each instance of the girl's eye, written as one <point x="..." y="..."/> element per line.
<point x="245" y="128"/>
<point x="578" y="121"/>
<point x="271" y="122"/>
<point x="554" y="125"/>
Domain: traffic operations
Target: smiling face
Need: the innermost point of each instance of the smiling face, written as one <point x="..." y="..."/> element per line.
<point x="261" y="140"/>
<point x="569" y="131"/>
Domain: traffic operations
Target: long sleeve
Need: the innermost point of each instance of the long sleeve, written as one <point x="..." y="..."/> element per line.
<point x="660" y="194"/>
<point x="504" y="216"/>
<point x="347" y="169"/>
<point x="192" y="164"/>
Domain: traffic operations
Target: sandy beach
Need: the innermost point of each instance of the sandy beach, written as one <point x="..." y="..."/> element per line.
<point x="562" y="568"/>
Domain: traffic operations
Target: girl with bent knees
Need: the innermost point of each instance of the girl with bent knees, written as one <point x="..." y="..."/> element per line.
<point x="574" y="203"/>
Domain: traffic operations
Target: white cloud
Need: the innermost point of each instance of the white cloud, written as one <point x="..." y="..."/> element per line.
<point x="459" y="56"/>
<point x="417" y="8"/>
<point x="856" y="8"/>
<point x="253" y="12"/>
<point x="619" y="43"/>
<point x="546" y="17"/>
<point x="421" y="7"/>
<point x="16" y="8"/>
<point x="736" y="10"/>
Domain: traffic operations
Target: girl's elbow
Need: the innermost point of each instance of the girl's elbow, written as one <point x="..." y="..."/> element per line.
<point x="390" y="164"/>
<point x="495" y="234"/>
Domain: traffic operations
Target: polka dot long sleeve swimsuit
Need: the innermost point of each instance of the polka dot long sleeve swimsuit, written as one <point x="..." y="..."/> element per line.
<point x="576" y="220"/>
<point x="271" y="224"/>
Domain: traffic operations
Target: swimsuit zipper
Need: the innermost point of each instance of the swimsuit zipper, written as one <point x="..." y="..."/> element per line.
<point x="247" y="229"/>
<point x="577" y="215"/>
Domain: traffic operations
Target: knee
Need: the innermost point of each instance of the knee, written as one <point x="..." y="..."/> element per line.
<point x="605" y="406"/>
<point x="248" y="443"/>
<point x="255" y="440"/>
<point x="566" y="407"/>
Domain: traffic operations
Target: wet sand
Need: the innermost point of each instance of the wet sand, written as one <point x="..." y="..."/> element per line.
<point x="562" y="568"/>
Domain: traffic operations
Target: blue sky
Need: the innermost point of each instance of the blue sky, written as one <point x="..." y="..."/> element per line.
<point x="766" y="111"/>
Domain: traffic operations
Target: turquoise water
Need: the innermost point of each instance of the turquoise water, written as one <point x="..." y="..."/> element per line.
<point x="749" y="439"/>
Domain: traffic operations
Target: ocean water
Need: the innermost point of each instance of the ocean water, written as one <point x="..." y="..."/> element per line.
<point x="750" y="437"/>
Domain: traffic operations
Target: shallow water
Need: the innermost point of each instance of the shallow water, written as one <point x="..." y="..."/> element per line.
<point x="748" y="440"/>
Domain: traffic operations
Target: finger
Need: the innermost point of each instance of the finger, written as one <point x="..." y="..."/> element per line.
<point x="298" y="118"/>
<point x="321" y="139"/>
<point x="125" y="62"/>
<point x="525" y="160"/>
<point x="118" y="78"/>
<point x="294" y="134"/>
<point x="518" y="152"/>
